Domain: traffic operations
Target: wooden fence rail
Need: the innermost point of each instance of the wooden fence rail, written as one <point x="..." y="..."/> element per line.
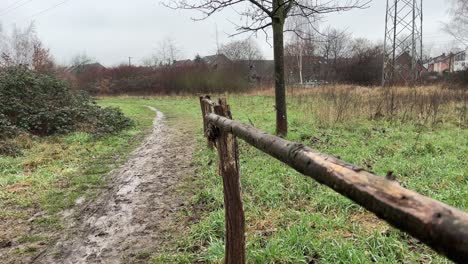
<point x="442" y="227"/>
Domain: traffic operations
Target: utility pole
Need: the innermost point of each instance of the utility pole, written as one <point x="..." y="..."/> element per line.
<point x="403" y="41"/>
<point x="130" y="61"/>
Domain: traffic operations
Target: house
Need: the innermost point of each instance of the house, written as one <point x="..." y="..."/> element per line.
<point x="452" y="62"/>
<point x="216" y="61"/>
<point x="460" y="61"/>
<point x="259" y="71"/>
<point x="212" y="61"/>
<point x="441" y="64"/>
<point x="88" y="67"/>
<point x="403" y="66"/>
<point x="182" y="63"/>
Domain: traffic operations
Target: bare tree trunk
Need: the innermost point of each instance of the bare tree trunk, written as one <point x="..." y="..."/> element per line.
<point x="280" y="87"/>
<point x="300" y="64"/>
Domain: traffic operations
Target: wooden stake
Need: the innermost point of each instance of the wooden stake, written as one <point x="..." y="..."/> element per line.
<point x="226" y="144"/>
<point x="206" y="108"/>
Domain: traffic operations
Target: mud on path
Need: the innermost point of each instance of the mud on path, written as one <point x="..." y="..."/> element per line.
<point x="133" y="217"/>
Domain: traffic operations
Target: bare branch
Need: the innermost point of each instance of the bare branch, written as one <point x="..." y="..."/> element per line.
<point x="206" y="7"/>
<point x="262" y="7"/>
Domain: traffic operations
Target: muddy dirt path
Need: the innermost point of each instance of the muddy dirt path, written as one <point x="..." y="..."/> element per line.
<point x="132" y="218"/>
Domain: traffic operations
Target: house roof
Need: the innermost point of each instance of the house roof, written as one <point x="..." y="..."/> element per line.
<point x="182" y="63"/>
<point x="86" y="67"/>
<point x="217" y="59"/>
<point x="257" y="63"/>
<point x="212" y="60"/>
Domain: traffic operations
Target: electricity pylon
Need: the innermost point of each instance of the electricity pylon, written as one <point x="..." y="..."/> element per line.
<point x="403" y="43"/>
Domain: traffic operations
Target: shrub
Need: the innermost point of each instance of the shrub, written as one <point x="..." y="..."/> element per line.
<point x="108" y="121"/>
<point x="459" y="78"/>
<point x="8" y="148"/>
<point x="7" y="129"/>
<point x="44" y="105"/>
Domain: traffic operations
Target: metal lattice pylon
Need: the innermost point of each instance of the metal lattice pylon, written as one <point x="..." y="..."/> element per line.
<point x="402" y="62"/>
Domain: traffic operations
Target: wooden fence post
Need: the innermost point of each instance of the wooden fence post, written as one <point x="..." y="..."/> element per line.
<point x="226" y="144"/>
<point x="206" y="109"/>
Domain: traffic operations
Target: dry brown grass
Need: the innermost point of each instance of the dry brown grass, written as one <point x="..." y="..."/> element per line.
<point x="429" y="105"/>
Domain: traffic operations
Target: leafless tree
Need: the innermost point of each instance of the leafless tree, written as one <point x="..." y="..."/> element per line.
<point x="262" y="14"/>
<point x="151" y="61"/>
<point x="167" y="52"/>
<point x="364" y="64"/>
<point x="334" y="45"/>
<point x="24" y="48"/>
<point x="458" y="26"/>
<point x="81" y="59"/>
<point x="302" y="43"/>
<point x="246" y="50"/>
<point x="18" y="48"/>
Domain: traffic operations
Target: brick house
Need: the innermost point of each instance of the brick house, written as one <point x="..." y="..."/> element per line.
<point x="441" y="64"/>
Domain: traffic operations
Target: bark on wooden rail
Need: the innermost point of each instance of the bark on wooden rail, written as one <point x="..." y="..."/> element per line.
<point x="443" y="228"/>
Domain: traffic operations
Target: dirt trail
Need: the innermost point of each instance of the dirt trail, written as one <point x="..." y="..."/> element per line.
<point x="131" y="219"/>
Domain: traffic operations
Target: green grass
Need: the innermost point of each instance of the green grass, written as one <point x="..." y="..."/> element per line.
<point x="54" y="172"/>
<point x="292" y="219"/>
<point x="289" y="218"/>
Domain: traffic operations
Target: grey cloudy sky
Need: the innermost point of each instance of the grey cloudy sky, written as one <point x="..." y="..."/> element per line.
<point x="113" y="30"/>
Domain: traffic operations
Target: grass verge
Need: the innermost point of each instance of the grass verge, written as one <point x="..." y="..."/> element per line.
<point x="292" y="219"/>
<point x="53" y="174"/>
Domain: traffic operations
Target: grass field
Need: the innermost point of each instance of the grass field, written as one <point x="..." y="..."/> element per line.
<point x="289" y="218"/>
<point x="292" y="219"/>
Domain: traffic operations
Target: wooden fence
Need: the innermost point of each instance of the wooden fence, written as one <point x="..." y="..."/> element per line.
<point x="442" y="227"/>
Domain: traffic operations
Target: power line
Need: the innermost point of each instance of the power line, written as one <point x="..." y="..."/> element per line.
<point x="8" y="7"/>
<point x="47" y="10"/>
<point x="13" y="7"/>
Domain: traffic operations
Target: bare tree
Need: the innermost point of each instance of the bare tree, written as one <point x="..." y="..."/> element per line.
<point x="262" y="14"/>
<point x="458" y="26"/>
<point x="151" y="61"/>
<point x="302" y="43"/>
<point x="81" y="59"/>
<point x="334" y="45"/>
<point x="24" y="48"/>
<point x="246" y="50"/>
<point x="168" y="52"/>
<point x="364" y="63"/>
<point x="18" y="48"/>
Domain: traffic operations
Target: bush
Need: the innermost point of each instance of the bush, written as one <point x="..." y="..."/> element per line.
<point x="459" y="78"/>
<point x="7" y="129"/>
<point x="8" y="148"/>
<point x="108" y="121"/>
<point x="44" y="105"/>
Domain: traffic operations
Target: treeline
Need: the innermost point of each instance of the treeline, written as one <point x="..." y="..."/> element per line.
<point x="188" y="78"/>
<point x="333" y="56"/>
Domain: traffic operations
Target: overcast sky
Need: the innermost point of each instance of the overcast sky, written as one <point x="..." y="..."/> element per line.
<point x="112" y="30"/>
